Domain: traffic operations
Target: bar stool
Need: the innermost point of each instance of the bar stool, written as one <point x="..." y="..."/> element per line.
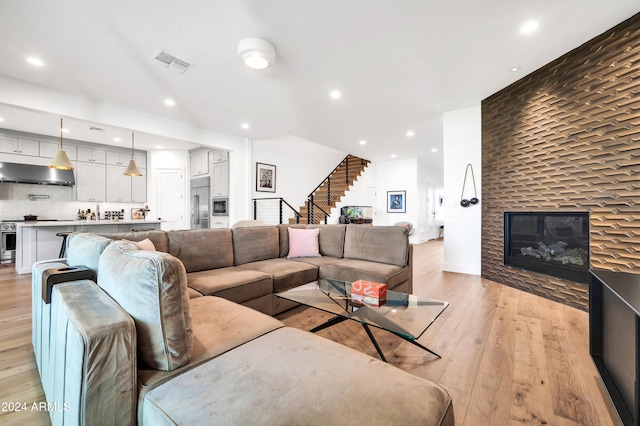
<point x="63" y="248"/>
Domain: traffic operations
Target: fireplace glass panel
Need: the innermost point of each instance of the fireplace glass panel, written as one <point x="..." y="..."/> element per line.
<point x="555" y="244"/>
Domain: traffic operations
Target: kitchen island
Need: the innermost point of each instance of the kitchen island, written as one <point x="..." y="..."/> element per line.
<point x="37" y="240"/>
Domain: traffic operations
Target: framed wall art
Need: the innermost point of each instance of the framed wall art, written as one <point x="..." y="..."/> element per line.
<point x="396" y="201"/>
<point x="265" y="177"/>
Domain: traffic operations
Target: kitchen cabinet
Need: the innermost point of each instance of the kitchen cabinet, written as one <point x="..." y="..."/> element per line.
<point x="19" y="146"/>
<point x="200" y="164"/>
<point x="90" y="181"/>
<point x="118" y="185"/>
<point x="220" y="179"/>
<point x="139" y="186"/>
<point x="119" y="158"/>
<point x="91" y="155"/>
<point x="49" y="149"/>
<point x="218" y="156"/>
<point x="141" y="160"/>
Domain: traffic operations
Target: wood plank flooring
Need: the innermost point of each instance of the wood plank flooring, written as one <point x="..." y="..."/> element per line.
<point x="508" y="357"/>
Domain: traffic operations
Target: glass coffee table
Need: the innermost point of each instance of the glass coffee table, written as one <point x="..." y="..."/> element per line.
<point x="404" y="315"/>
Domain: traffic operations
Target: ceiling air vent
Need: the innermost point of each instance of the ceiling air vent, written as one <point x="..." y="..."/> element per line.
<point x="174" y="63"/>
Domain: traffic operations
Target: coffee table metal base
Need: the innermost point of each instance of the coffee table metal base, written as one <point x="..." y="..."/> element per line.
<point x="338" y="319"/>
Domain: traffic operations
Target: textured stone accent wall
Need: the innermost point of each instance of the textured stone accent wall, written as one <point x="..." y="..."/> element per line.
<point x="567" y="138"/>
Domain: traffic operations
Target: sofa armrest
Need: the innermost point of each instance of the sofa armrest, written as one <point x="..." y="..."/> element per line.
<point x="93" y="357"/>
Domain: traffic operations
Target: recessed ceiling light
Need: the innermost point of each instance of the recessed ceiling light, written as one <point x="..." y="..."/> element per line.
<point x="245" y="125"/>
<point x="393" y="155"/>
<point x="335" y="94"/>
<point x="1" y="119"/>
<point x="158" y="147"/>
<point x="434" y="149"/>
<point x="117" y="140"/>
<point x="529" y="27"/>
<point x="514" y="69"/>
<point x="169" y="102"/>
<point x="363" y="142"/>
<point x="35" y="61"/>
<point x="410" y="133"/>
<point x="64" y="130"/>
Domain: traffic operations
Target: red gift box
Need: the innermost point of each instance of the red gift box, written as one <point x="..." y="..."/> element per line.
<point x="368" y="300"/>
<point x="369" y="289"/>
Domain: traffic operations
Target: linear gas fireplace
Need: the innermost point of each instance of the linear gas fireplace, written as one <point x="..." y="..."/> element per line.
<point x="550" y="243"/>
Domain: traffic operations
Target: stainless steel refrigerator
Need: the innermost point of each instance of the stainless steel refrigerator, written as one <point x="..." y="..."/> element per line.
<point x="200" y="203"/>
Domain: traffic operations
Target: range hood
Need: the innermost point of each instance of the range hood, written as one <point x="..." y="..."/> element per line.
<point x="43" y="175"/>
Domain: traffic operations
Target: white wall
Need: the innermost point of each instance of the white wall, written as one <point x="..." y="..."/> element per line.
<point x="398" y="175"/>
<point x="300" y="166"/>
<point x="462" y="146"/>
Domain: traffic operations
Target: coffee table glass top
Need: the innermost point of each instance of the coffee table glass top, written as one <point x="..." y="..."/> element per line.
<point x="403" y="314"/>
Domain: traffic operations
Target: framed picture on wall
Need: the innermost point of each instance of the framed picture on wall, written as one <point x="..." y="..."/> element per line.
<point x="265" y="177"/>
<point x="396" y="201"/>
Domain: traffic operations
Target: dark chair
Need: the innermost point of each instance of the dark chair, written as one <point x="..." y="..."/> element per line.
<point x="63" y="247"/>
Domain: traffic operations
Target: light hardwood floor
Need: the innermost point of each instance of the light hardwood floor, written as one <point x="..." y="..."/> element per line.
<point x="508" y="357"/>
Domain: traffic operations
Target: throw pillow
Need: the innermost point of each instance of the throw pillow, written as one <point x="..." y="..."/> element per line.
<point x="303" y="243"/>
<point x="145" y="244"/>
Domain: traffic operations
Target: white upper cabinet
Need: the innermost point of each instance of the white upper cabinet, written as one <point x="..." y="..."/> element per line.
<point x="219" y="155"/>
<point x="49" y="149"/>
<point x="19" y="146"/>
<point x="200" y="164"/>
<point x="91" y="155"/>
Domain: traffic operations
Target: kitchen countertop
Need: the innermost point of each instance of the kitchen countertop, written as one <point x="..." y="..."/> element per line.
<point x="82" y="222"/>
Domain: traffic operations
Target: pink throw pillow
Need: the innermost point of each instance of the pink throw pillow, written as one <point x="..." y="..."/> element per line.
<point x="303" y="242"/>
<point x="145" y="244"/>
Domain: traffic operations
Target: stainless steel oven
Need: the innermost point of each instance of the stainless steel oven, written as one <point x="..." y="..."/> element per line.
<point x="8" y="242"/>
<point x="220" y="206"/>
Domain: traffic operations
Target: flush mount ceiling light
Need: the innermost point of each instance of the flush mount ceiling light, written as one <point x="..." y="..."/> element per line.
<point x="61" y="160"/>
<point x="256" y="53"/>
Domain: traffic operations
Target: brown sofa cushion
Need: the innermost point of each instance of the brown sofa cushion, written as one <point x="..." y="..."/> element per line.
<point x="286" y="273"/>
<point x="282" y="378"/>
<point x="331" y="239"/>
<point x="218" y="326"/>
<point x="152" y="287"/>
<point x="353" y="269"/>
<point x="202" y="249"/>
<point x="255" y="244"/>
<point x="232" y="283"/>
<point x="386" y="244"/>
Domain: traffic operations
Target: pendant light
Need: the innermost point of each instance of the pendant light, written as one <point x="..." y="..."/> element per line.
<point x="60" y="160"/>
<point x="132" y="168"/>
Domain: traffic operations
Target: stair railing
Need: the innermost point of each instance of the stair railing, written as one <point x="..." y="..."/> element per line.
<point x="271" y="207"/>
<point x="328" y="179"/>
<point x="311" y="215"/>
<point x="312" y="198"/>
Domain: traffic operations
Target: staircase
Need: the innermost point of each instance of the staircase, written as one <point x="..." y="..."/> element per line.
<point x="331" y="190"/>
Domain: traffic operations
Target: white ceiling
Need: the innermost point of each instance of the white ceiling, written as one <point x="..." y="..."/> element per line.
<point x="399" y="64"/>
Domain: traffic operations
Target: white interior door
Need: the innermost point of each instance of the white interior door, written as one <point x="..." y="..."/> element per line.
<point x="432" y="232"/>
<point x="171" y="198"/>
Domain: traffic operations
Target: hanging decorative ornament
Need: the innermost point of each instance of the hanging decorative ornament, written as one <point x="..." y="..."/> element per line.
<point x="474" y="200"/>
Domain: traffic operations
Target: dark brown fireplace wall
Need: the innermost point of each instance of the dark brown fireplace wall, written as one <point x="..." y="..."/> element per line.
<point x="567" y="138"/>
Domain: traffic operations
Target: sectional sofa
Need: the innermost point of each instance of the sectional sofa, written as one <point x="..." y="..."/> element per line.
<point x="249" y="265"/>
<point x="153" y="343"/>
